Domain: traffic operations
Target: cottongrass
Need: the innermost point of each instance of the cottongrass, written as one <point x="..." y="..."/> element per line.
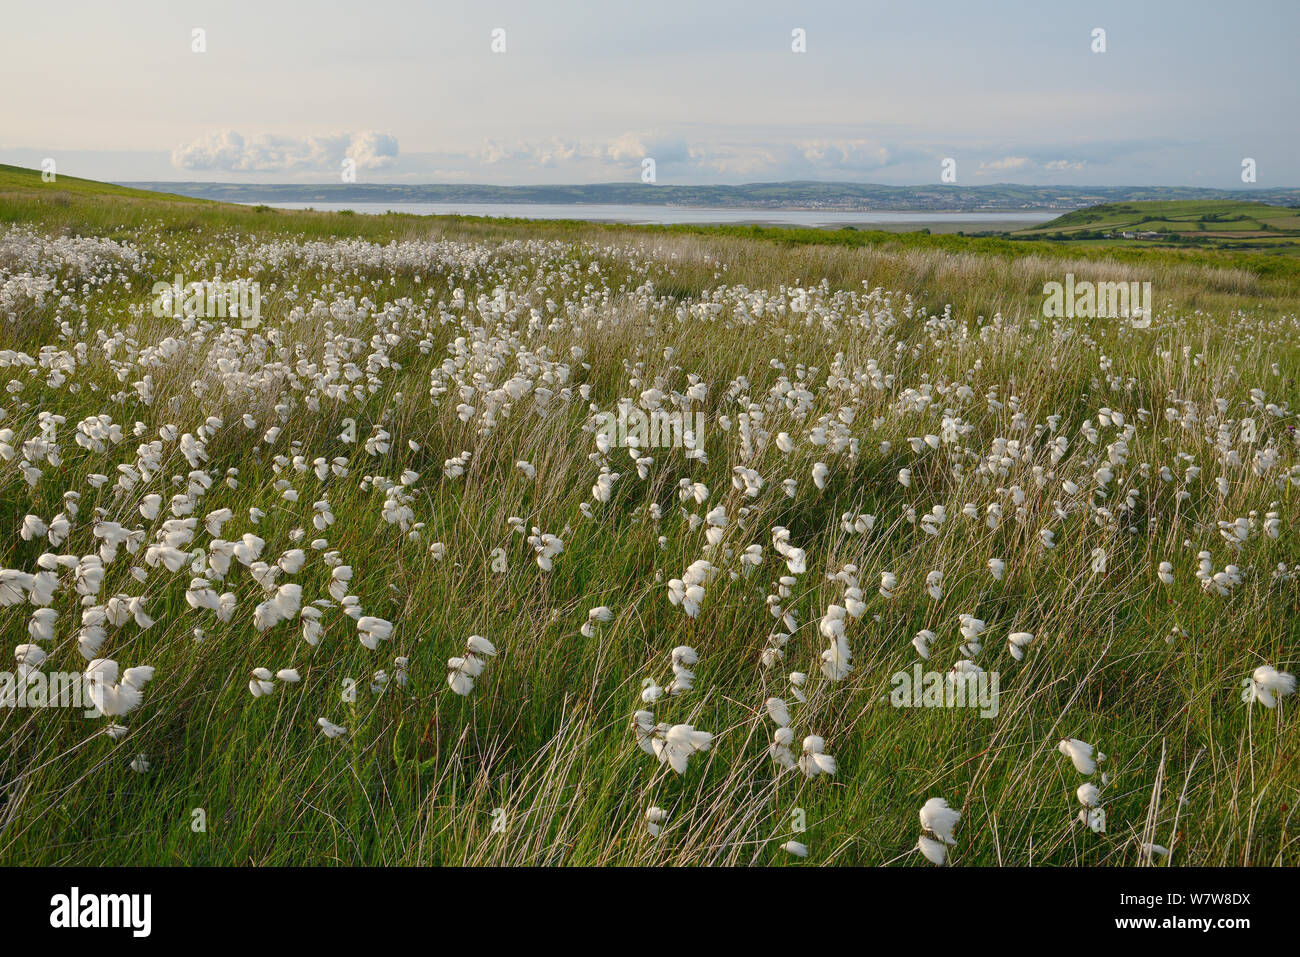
<point x="308" y="517"/>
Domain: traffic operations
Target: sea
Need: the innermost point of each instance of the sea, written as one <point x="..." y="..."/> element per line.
<point x="667" y="215"/>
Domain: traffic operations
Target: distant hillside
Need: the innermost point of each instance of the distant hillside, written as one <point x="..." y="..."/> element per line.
<point x="1179" y="216"/>
<point x="1214" y="223"/>
<point x="795" y="195"/>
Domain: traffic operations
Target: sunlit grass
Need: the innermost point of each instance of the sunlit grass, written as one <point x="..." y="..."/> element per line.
<point x="539" y="764"/>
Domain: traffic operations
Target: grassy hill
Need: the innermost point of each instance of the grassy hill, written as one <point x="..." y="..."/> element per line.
<point x="1225" y="224"/>
<point x="18" y="182"/>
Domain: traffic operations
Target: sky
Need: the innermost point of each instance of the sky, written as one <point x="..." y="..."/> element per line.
<point x="412" y="91"/>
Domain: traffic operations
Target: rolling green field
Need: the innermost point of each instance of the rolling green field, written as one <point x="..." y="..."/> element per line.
<point x="1227" y="224"/>
<point x="895" y="461"/>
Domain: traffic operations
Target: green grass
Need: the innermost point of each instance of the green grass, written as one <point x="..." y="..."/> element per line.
<point x="543" y="745"/>
<point x="1210" y="224"/>
<point x="1178" y="214"/>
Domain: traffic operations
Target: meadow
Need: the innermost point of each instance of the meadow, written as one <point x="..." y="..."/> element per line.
<point x="365" y="578"/>
<point x="1210" y="224"/>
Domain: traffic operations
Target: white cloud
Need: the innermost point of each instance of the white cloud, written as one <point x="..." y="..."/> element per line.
<point x="838" y="153"/>
<point x="372" y="150"/>
<point x="1007" y="164"/>
<point x="229" y="151"/>
<point x="755" y="162"/>
<point x="634" y="147"/>
<point x="621" y="152"/>
<point x="551" y="152"/>
<point x="683" y="155"/>
<point x="628" y="147"/>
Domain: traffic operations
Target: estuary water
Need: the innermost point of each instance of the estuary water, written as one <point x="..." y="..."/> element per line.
<point x="639" y="215"/>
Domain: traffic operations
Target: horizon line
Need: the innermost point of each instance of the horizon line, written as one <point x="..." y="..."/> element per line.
<point x="783" y="182"/>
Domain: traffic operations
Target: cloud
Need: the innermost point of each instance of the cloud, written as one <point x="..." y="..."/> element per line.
<point x="685" y="154"/>
<point x="592" y="157"/>
<point x="664" y="149"/>
<point x="372" y="150"/>
<point x="229" y="151"/>
<point x="752" y="162"/>
<point x="549" y="153"/>
<point x="744" y="157"/>
<point x="1007" y="164"/>
<point x="840" y="153"/>
<point x="628" y="147"/>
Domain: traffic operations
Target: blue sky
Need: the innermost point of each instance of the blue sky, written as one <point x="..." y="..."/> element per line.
<point x="712" y="91"/>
